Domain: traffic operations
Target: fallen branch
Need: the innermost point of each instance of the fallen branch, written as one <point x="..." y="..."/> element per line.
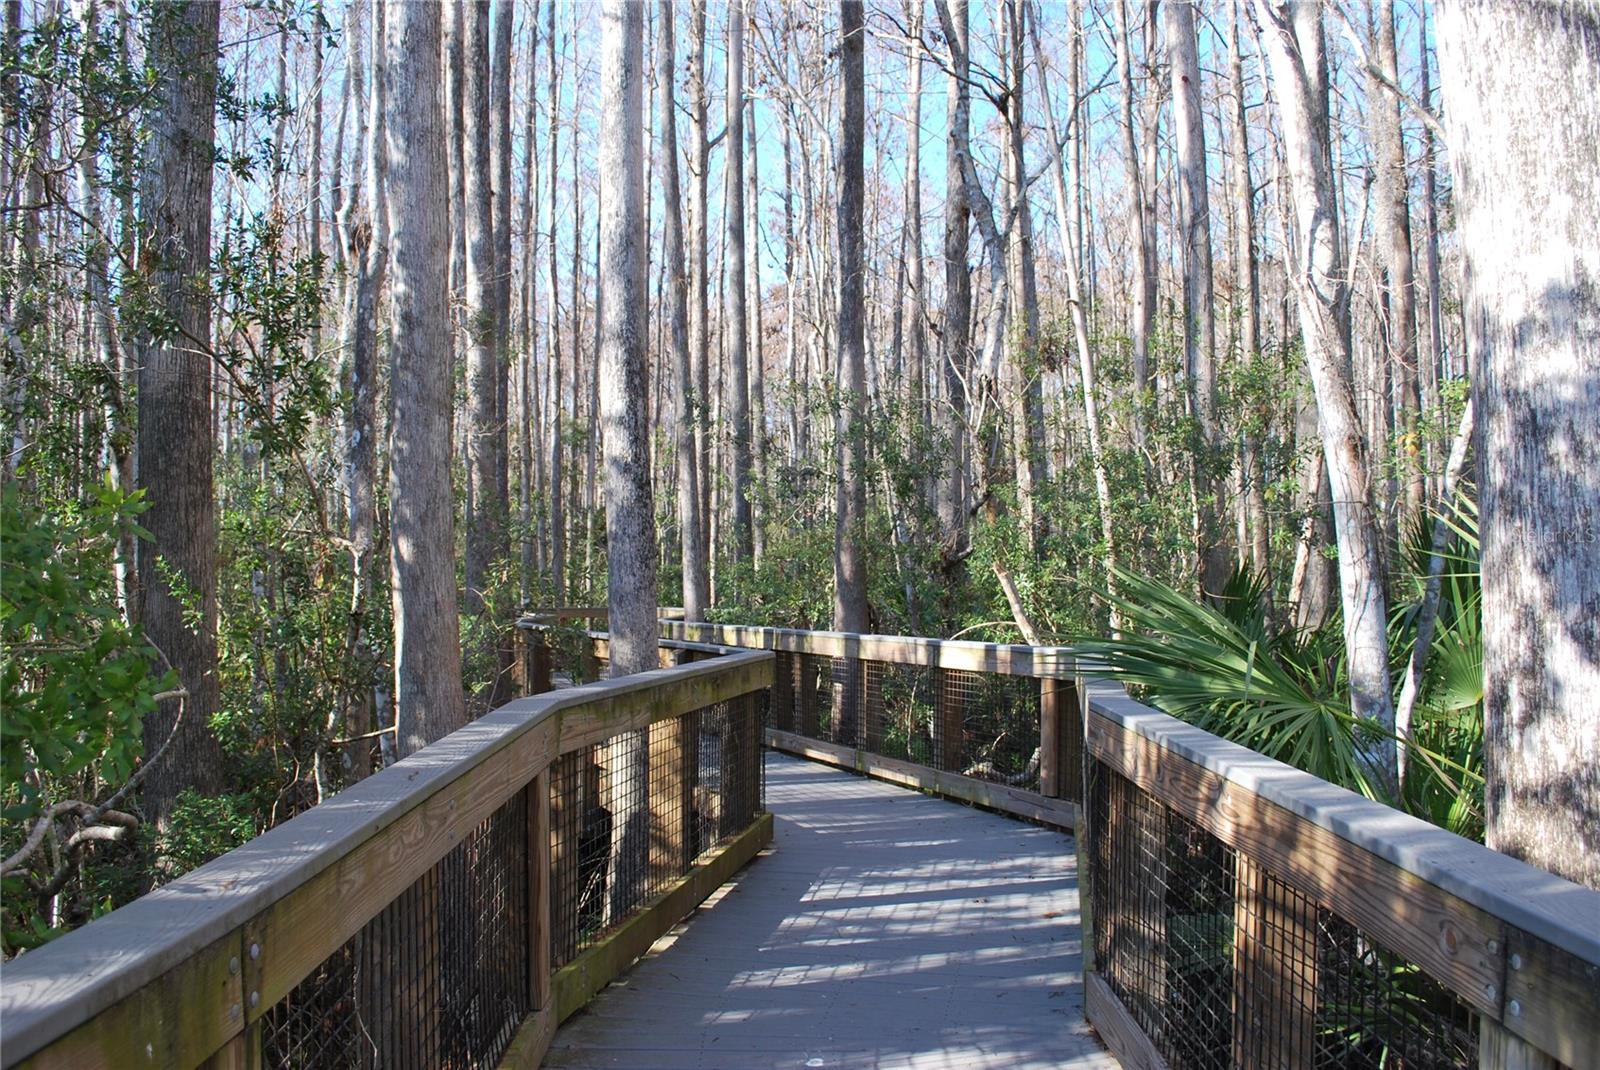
<point x="92" y="814"/>
<point x="1024" y="625"/>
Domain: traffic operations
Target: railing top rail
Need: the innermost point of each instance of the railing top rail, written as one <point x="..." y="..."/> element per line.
<point x="55" y="989"/>
<point x="1557" y="911"/>
<point x="959" y="654"/>
<point x="719" y="649"/>
<point x="555" y="614"/>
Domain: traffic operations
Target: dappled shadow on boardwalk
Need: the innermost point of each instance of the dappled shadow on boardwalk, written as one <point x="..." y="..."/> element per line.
<point x="886" y="929"/>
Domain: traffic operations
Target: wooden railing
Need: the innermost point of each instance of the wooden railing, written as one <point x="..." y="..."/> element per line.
<point x="449" y="910"/>
<point x="984" y="723"/>
<point x="1237" y="911"/>
<point x="1248" y="914"/>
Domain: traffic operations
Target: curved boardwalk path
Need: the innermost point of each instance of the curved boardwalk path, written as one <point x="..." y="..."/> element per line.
<point x="885" y="929"/>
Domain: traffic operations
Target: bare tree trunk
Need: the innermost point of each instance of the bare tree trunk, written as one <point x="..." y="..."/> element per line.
<point x="1247" y="294"/>
<point x="1033" y="471"/>
<point x="917" y="414"/>
<point x="693" y="550"/>
<point x="530" y="472"/>
<point x="756" y="347"/>
<point x="500" y="201"/>
<point x="427" y="644"/>
<point x="630" y="510"/>
<point x="1529" y="225"/>
<point x="178" y="563"/>
<point x="591" y="458"/>
<point x="1142" y="239"/>
<point x="1311" y="579"/>
<point x="990" y="359"/>
<point x="558" y="544"/>
<point x="1294" y="46"/>
<point x="791" y="299"/>
<point x="1199" y="319"/>
<point x="1394" y="233"/>
<point x="314" y="202"/>
<point x="736" y="318"/>
<point x="699" y="309"/>
<point x="1434" y="368"/>
<point x="365" y="235"/>
<point x="486" y="533"/>
<point x="849" y="557"/>
<point x="957" y="318"/>
<point x="1080" y="329"/>
<point x="105" y="349"/>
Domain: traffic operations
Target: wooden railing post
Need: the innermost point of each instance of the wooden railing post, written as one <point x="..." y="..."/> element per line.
<point x="539" y="878"/>
<point x="845" y="675"/>
<point x="949" y="743"/>
<point x="1060" y="740"/>
<point x="805" y="669"/>
<point x="1501" y="1049"/>
<point x="783" y="690"/>
<point x="530" y="665"/>
<point x="1274" y="971"/>
<point x="1050" y="732"/>
<point x="734" y="777"/>
<point x="872" y="711"/>
<point x="672" y="774"/>
<point x="566" y="823"/>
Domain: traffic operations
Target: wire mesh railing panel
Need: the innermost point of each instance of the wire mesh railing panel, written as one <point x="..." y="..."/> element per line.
<point x="784" y="711"/>
<point x="988" y="727"/>
<point x="629" y="816"/>
<point x="899" y="704"/>
<point x="1376" y="1010"/>
<point x="580" y="834"/>
<point x="1222" y="963"/>
<point x="729" y="771"/>
<point x="1163" y="917"/>
<point x="439" y="978"/>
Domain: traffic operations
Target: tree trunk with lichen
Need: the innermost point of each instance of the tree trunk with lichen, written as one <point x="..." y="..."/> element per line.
<point x="1524" y="137"/>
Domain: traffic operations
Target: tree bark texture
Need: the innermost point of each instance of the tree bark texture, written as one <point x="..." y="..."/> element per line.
<point x="692" y="548"/>
<point x="1199" y="318"/>
<point x="1524" y="137"/>
<point x="422" y="540"/>
<point x="630" y="508"/>
<point x="736" y="320"/>
<point x="177" y="566"/>
<point x="956" y="322"/>
<point x="485" y="434"/>
<point x="849" y="556"/>
<point x="1393" y="216"/>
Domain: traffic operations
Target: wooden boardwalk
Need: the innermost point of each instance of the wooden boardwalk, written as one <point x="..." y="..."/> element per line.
<point x="884" y="929"/>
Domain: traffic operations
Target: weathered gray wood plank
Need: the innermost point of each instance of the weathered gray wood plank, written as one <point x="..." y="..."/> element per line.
<point x="885" y="929"/>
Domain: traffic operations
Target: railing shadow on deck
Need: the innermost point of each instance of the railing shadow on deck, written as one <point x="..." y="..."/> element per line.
<point x="447" y="911"/>
<point x="1238" y="912"/>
